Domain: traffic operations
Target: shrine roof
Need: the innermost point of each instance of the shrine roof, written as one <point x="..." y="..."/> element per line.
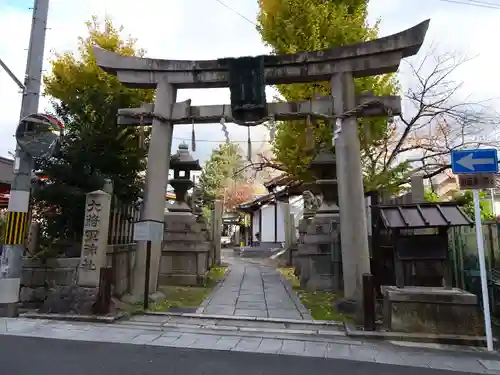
<point x="423" y="215"/>
<point x="258" y="202"/>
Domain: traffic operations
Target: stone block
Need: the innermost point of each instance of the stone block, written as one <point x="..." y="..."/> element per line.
<point x="319" y="272"/>
<point x="432" y="310"/>
<point x="186" y="254"/>
<point x="318" y="258"/>
<point x="181" y="279"/>
<point x="72" y="299"/>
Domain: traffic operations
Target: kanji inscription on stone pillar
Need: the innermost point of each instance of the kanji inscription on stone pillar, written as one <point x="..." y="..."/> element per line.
<point x="95" y="238"/>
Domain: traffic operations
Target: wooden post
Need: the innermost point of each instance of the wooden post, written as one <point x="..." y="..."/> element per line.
<point x="291" y="229"/>
<point x="368" y="302"/>
<point x="286" y="215"/>
<point x="217" y="225"/>
<point x="102" y="305"/>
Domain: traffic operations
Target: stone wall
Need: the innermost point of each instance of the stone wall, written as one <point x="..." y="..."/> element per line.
<point x="63" y="271"/>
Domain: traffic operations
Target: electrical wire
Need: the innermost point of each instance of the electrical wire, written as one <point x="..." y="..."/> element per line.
<point x="211" y="141"/>
<point x="474" y="3"/>
<point x="236" y="12"/>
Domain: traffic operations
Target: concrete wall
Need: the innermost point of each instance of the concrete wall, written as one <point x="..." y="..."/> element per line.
<point x="63" y="271"/>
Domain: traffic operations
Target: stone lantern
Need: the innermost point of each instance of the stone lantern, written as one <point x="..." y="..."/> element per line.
<point x="319" y="253"/>
<point x="185" y="253"/>
<point x="182" y="163"/>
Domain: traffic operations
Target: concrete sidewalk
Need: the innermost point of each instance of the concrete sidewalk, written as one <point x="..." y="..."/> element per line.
<point x="254" y="290"/>
<point x="336" y="347"/>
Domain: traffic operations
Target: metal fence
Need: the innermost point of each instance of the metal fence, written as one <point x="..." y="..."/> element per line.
<point x="465" y="262"/>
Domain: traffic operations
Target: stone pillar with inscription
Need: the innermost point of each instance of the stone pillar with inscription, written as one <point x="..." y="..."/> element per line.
<point x="80" y="298"/>
<point x="185" y="250"/>
<point x="95" y="238"/>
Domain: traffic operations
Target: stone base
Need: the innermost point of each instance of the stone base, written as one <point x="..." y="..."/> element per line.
<point x="9" y="310"/>
<point x="183" y="280"/>
<point x="185" y="257"/>
<point x="72" y="299"/>
<point x="131" y="299"/>
<point x="319" y="255"/>
<point x="316" y="273"/>
<point x="432" y="310"/>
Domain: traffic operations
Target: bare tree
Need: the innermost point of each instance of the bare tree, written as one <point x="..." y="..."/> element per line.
<point x="434" y="122"/>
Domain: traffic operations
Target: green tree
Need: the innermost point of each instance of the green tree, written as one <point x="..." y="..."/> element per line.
<point x="290" y="26"/>
<point x="430" y="196"/>
<point x="224" y="167"/>
<point x="86" y="100"/>
<point x="466" y="200"/>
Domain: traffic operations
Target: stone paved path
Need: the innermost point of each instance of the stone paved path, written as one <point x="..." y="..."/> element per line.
<point x="254" y="290"/>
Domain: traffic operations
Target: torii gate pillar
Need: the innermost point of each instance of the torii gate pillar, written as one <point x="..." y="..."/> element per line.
<point x="154" y="192"/>
<point x="355" y="250"/>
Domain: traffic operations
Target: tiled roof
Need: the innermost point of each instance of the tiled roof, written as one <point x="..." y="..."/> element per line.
<point x="423" y="215"/>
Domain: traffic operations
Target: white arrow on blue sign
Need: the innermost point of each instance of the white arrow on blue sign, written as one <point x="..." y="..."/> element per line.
<point x="474" y="161"/>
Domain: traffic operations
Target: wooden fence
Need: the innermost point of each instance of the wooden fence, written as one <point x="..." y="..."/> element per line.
<point x="121" y="222"/>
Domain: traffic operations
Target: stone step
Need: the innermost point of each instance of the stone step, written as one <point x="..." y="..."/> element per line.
<point x="241" y="326"/>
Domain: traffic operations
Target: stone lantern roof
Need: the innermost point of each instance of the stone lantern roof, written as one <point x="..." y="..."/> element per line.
<point x="182" y="159"/>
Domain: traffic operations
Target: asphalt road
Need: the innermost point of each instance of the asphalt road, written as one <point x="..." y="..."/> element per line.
<point x="37" y="356"/>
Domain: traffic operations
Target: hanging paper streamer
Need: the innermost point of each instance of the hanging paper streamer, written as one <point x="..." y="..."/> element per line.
<point x="309" y="133"/>
<point x="224" y="129"/>
<point x="141" y="136"/>
<point x="193" y="139"/>
<point x="272" y="129"/>
<point x="338" y="129"/>
<point x="249" y="150"/>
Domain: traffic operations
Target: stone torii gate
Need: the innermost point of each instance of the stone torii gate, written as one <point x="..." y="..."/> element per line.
<point x="338" y="65"/>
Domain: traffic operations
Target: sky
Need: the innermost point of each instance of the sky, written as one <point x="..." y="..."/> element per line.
<point x="205" y="29"/>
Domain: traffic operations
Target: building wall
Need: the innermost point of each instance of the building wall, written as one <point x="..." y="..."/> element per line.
<point x="281" y="222"/>
<point x="268" y="220"/>
<point x="255" y="224"/>
<point x="6" y="172"/>
<point x="267" y="234"/>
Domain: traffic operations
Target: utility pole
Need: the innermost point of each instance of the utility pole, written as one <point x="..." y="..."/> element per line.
<point x="11" y="257"/>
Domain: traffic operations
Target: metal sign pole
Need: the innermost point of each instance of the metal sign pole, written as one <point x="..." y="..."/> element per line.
<point x="477" y="169"/>
<point x="493" y="208"/>
<point x="482" y="271"/>
<point x="146" y="278"/>
<point x="149" y="231"/>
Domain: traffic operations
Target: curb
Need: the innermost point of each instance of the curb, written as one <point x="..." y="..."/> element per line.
<point x="295" y="298"/>
<point x="326" y="323"/>
<point x="429" y="338"/>
<point x="296" y="334"/>
<point x="219" y="284"/>
<point x="74" y="317"/>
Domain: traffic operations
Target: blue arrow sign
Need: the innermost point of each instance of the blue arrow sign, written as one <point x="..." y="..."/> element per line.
<point x="474" y="161"/>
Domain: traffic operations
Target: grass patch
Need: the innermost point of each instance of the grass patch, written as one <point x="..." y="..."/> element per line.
<point x="189" y="296"/>
<point x="320" y="304"/>
<point x="127" y="308"/>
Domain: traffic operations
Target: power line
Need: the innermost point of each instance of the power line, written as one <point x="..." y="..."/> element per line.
<point x="236" y="12"/>
<point x="211" y="141"/>
<point x="474" y="3"/>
